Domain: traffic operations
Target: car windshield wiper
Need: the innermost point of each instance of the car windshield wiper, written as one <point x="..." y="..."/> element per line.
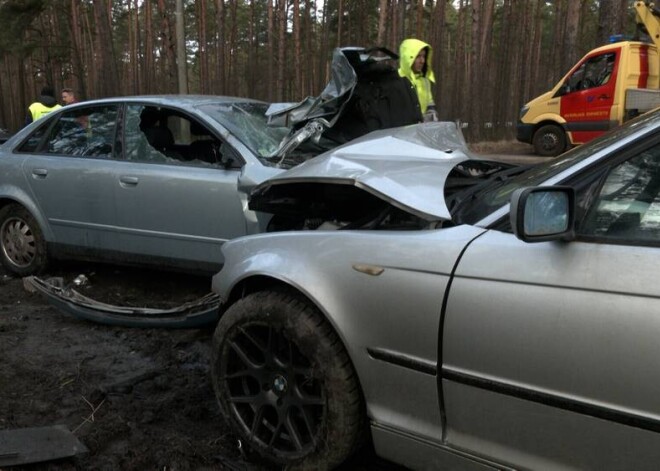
<point x="464" y="199"/>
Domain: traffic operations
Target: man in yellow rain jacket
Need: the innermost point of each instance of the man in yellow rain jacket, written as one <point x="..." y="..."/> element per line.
<point x="415" y="65"/>
<point x="44" y="105"/>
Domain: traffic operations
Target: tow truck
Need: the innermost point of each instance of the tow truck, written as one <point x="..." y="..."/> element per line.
<point x="609" y="85"/>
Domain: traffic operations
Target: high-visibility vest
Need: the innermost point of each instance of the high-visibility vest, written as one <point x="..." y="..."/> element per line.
<point x="37" y="110"/>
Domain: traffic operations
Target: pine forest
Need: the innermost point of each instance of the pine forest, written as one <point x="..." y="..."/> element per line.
<point x="489" y="56"/>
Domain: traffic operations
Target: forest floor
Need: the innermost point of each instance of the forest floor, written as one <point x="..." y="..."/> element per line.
<point x="138" y="399"/>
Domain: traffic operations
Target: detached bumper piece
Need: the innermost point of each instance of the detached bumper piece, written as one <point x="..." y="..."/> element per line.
<point x="200" y="312"/>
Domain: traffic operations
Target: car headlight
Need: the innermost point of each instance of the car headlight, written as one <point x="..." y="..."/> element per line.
<point x="523" y="111"/>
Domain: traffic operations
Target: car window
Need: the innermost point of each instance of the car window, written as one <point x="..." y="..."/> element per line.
<point x="86" y="132"/>
<point x="594" y="72"/>
<point x="627" y="205"/>
<point x="31" y="144"/>
<point x="164" y="135"/>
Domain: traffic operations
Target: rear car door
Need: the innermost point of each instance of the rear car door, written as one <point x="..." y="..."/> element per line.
<point x="68" y="166"/>
<point x="550" y="350"/>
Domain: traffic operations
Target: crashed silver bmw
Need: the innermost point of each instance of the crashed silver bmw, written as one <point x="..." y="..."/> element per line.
<point x="461" y="316"/>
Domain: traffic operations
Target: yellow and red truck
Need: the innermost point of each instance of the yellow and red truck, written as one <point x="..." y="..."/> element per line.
<point x="607" y="86"/>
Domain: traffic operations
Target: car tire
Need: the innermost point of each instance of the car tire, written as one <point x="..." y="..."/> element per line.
<point x="22" y="244"/>
<point x="285" y="383"/>
<point x="549" y="140"/>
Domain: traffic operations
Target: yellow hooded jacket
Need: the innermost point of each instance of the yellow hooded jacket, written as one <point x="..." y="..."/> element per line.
<point x="407" y="53"/>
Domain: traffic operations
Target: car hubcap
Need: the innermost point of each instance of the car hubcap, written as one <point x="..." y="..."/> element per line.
<point x="18" y="243"/>
<point x="279" y="384"/>
<point x="549" y="141"/>
<point x="272" y="391"/>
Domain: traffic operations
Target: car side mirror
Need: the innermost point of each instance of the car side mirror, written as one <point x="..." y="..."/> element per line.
<point x="543" y="213"/>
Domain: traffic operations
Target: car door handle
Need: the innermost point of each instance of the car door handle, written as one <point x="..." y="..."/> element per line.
<point x="604" y="97"/>
<point x="128" y="181"/>
<point x="39" y="172"/>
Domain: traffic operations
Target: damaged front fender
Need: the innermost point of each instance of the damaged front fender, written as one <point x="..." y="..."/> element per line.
<point x="200" y="312"/>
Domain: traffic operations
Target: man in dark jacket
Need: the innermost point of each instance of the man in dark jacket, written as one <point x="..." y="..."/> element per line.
<point x="44" y="105"/>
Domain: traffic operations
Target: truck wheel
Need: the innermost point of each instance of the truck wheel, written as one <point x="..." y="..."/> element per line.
<point x="549" y="140"/>
<point x="285" y="384"/>
<point x="22" y="244"/>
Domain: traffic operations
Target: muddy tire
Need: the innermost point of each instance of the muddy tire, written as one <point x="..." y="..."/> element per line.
<point x="549" y="140"/>
<point x="285" y="383"/>
<point x="22" y="244"/>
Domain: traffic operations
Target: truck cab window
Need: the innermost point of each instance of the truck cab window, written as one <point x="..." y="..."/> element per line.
<point x="594" y="72"/>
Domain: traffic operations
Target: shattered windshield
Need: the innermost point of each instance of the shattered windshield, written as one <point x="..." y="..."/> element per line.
<point x="496" y="192"/>
<point x="248" y="123"/>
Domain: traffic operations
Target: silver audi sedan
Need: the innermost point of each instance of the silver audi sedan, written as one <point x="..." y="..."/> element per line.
<point x="507" y="322"/>
<point x="139" y="180"/>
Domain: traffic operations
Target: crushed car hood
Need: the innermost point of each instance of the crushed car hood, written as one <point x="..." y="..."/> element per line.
<point x="406" y="167"/>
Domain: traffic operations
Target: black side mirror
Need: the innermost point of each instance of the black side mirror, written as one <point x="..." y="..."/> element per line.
<point x="543" y="213"/>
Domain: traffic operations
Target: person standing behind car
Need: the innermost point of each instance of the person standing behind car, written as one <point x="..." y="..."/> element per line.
<point x="68" y="96"/>
<point x="415" y="65"/>
<point x="44" y="105"/>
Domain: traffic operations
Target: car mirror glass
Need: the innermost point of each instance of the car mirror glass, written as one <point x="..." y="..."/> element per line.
<point x="543" y="213"/>
<point x="546" y="213"/>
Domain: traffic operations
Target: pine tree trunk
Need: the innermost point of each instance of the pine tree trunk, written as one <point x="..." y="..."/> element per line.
<point x="108" y="86"/>
<point x="203" y="51"/>
<point x="281" y="53"/>
<point x="220" y="46"/>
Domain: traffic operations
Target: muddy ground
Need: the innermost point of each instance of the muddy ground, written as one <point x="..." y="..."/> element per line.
<point x="138" y="399"/>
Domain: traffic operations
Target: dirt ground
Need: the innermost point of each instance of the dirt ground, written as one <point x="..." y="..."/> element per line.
<point x="138" y="399"/>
